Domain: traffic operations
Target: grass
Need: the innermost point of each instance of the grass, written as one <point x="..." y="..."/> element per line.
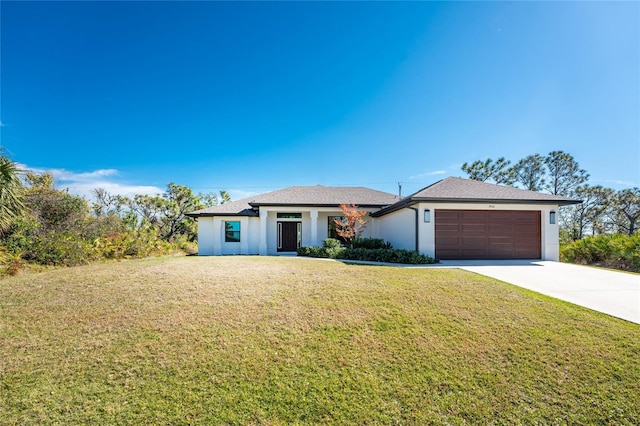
<point x="270" y="341"/>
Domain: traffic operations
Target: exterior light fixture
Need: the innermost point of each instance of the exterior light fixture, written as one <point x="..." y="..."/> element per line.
<point x="427" y="215"/>
<point x="552" y="217"/>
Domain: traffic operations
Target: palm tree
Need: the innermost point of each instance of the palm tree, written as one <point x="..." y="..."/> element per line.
<point x="11" y="192"/>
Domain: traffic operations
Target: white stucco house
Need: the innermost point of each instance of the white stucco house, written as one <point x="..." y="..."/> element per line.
<point x="453" y="218"/>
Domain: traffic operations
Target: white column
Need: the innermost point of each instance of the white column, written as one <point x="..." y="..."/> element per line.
<point x="218" y="236"/>
<point x="550" y="238"/>
<point x="314" y="227"/>
<point x="244" y="235"/>
<point x="262" y="248"/>
<point x="427" y="242"/>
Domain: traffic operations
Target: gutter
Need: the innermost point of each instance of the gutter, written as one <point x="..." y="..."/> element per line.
<point x="417" y="223"/>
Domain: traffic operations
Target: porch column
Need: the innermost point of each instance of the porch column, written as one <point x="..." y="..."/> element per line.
<point x="262" y="248"/>
<point x="314" y="227"/>
<point x="218" y="233"/>
<point x="244" y="239"/>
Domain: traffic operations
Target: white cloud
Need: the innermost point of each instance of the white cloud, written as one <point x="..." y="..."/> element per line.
<point x="427" y="174"/>
<point x="83" y="184"/>
<point x="86" y="189"/>
<point x="239" y="194"/>
<point x="2" y="124"/>
<point x="65" y="175"/>
<point x="616" y="183"/>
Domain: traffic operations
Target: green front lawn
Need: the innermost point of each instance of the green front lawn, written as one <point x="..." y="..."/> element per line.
<point x="262" y="340"/>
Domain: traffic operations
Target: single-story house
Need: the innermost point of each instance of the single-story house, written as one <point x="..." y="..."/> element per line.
<point x="453" y="218"/>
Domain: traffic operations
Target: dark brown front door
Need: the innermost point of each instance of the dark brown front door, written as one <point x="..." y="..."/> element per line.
<point x="289" y="235"/>
<point x="492" y="234"/>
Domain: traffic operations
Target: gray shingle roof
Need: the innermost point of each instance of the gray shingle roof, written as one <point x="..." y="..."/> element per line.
<point x="454" y="189"/>
<point x="303" y="196"/>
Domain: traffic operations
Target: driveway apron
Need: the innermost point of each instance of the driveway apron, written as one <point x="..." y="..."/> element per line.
<point x="611" y="292"/>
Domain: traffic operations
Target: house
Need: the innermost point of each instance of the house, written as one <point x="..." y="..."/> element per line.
<point x="453" y="218"/>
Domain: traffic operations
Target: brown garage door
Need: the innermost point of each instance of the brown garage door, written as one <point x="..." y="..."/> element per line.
<point x="482" y="234"/>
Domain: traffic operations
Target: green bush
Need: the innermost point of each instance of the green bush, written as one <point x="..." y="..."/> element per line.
<point x="331" y="243"/>
<point x="371" y="243"/>
<point x="133" y="244"/>
<point x="386" y="255"/>
<point x="321" y="252"/>
<point x="614" y="251"/>
<point x="59" y="249"/>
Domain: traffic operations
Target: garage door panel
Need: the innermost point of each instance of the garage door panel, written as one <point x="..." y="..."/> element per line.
<point x="525" y="228"/>
<point x="472" y="254"/>
<point x="454" y="228"/>
<point x="500" y="229"/>
<point x="474" y="228"/>
<point x="473" y="216"/>
<point x="481" y="234"/>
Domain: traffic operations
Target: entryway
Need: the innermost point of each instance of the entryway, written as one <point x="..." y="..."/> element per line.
<point x="289" y="236"/>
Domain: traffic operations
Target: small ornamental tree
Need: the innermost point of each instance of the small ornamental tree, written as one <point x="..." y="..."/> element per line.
<point x="352" y="223"/>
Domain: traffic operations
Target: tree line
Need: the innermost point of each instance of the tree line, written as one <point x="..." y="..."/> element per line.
<point x="40" y="224"/>
<point x="603" y="210"/>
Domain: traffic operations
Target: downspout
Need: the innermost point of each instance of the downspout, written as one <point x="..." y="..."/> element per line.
<point x="417" y="223"/>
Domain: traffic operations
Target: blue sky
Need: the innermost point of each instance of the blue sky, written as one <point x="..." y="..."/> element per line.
<point x="255" y="96"/>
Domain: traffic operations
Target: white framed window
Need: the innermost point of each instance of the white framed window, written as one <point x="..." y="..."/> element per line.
<point x="232" y="231"/>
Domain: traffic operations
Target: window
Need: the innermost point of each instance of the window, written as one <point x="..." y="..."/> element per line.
<point x="332" y="233"/>
<point x="232" y="232"/>
<point x="552" y="217"/>
<point x="289" y="215"/>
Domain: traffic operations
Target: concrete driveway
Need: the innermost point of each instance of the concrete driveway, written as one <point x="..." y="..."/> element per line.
<point x="610" y="292"/>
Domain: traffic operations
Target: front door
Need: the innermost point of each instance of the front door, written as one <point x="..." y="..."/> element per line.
<point x="289" y="236"/>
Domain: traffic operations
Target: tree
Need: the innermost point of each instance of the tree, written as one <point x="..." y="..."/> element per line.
<point x="11" y="193"/>
<point x="107" y="204"/>
<point x="210" y="199"/>
<point x="352" y="224"/>
<point x="488" y="170"/>
<point x="54" y="209"/>
<point x="587" y="217"/>
<point x="530" y="172"/>
<point x="564" y="173"/>
<point x="178" y="201"/>
<point x="626" y="210"/>
<point x="146" y="207"/>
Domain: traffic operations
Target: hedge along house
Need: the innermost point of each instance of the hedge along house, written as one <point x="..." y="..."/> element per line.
<point x="454" y="218"/>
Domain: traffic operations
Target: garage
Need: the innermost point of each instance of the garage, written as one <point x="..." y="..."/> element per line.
<point x="487" y="234"/>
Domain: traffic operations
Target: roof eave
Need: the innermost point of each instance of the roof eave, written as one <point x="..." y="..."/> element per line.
<point x="195" y="216"/>
<point x="315" y="205"/>
<point x="562" y="202"/>
<point x="414" y="200"/>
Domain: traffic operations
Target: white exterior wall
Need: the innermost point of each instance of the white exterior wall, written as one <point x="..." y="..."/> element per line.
<point x="211" y="230"/>
<point x="253" y="235"/>
<point x="550" y="247"/>
<point x="398" y="228"/>
<point x="205" y="236"/>
<point x="211" y="236"/>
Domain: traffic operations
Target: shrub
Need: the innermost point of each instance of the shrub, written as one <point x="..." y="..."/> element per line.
<point x="615" y="251"/>
<point x="133" y="244"/>
<point x="59" y="249"/>
<point x="331" y="243"/>
<point x="387" y="255"/>
<point x="371" y="243"/>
